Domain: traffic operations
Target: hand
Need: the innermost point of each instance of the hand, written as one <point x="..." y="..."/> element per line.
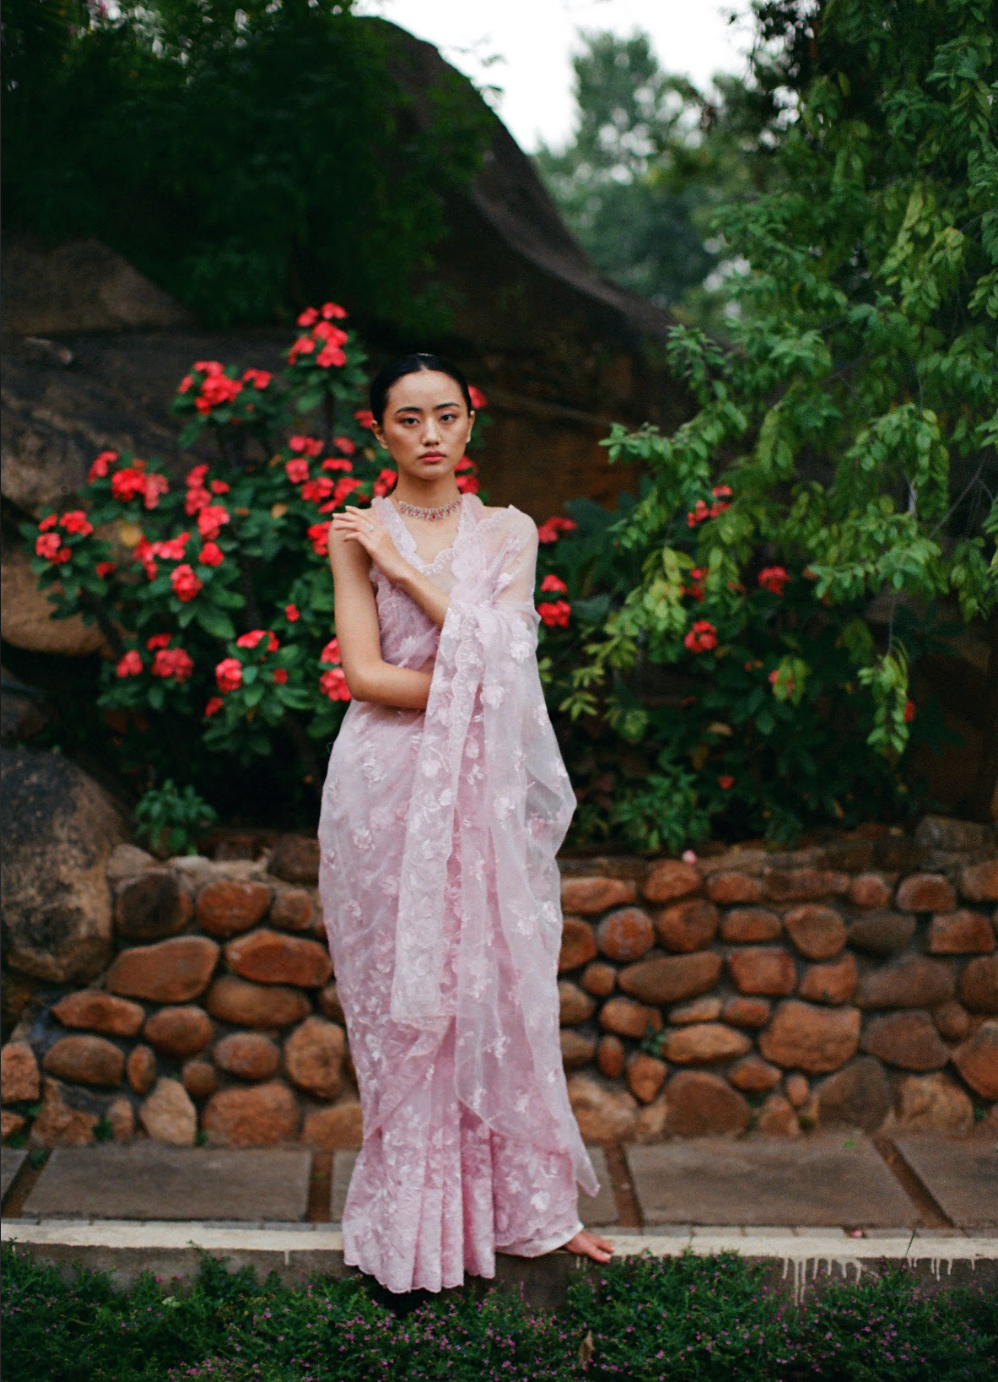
<point x="357" y="525"/>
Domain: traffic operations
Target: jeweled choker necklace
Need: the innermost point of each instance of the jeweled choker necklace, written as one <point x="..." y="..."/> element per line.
<point x="418" y="511"/>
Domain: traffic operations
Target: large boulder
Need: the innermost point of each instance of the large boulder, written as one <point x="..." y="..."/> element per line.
<point x="108" y="293"/>
<point x="58" y="829"/>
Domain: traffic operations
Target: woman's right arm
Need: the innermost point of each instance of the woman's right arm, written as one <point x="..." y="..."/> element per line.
<point x="368" y="676"/>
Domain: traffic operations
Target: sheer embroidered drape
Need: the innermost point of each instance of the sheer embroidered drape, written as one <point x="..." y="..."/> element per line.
<point x="441" y="898"/>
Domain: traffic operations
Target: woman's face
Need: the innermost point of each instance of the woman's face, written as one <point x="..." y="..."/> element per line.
<point x="426" y="425"/>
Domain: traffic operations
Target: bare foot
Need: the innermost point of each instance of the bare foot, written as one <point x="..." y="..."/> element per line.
<point x="592" y="1245"/>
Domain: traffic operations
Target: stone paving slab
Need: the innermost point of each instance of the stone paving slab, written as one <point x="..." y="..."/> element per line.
<point x="961" y="1174"/>
<point x="148" y="1181"/>
<point x="825" y="1179"/>
<point x="11" y="1161"/>
<point x="595" y="1211"/>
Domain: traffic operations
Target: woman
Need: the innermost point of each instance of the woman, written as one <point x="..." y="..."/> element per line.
<point x="444" y="805"/>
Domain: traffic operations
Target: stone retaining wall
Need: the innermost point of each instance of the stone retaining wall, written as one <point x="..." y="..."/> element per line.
<point x="853" y="983"/>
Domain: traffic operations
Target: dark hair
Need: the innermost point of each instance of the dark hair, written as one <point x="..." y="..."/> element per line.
<point x="412" y="364"/>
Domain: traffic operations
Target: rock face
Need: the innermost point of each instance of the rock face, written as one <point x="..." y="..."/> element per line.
<point x="108" y="293"/>
<point x="58" y="829"/>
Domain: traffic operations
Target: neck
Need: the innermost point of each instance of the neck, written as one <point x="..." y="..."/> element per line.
<point x="432" y="494"/>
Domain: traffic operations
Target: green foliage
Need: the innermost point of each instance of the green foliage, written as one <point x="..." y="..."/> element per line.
<point x="650" y="158"/>
<point x="244" y="156"/>
<point x="685" y="1317"/>
<point x="170" y="818"/>
<point x="843" y="450"/>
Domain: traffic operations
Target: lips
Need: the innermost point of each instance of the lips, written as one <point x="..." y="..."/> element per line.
<point x="432" y="456"/>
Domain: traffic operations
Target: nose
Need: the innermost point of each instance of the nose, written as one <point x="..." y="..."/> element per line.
<point x="431" y="431"/>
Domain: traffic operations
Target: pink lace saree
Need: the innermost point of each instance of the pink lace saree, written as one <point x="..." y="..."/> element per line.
<point x="440" y="894"/>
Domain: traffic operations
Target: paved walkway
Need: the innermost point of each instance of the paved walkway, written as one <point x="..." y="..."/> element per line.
<point x="815" y="1207"/>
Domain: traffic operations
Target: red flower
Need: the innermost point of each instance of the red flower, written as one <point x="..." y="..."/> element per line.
<point x="49" y="521"/>
<point x="280" y="675"/>
<point x="318" y="536"/>
<point x="155" y="486"/>
<point x="467" y="484"/>
<point x="554" y="583"/>
<point x="337" y="464"/>
<point x="76" y="522"/>
<point x="344" y="487"/>
<point x="218" y="389"/>
<point x="385" y="482"/>
<point x="49" y="545"/>
<point x="721" y="491"/>
<point x="334" y="684"/>
<point x="100" y="466"/>
<point x="331" y="652"/>
<point x="297" y="471"/>
<point x="214" y="706"/>
<point x="726" y="781"/>
<point x="104" y="569"/>
<point x="259" y="378"/>
<point x="330" y="335"/>
<point x="158" y="640"/>
<point x="478" y="399"/>
<point x="196" y="500"/>
<point x="185" y="583"/>
<point x="909" y="711"/>
<point x="144" y="552"/>
<point x="308" y="446"/>
<point x="303" y="346"/>
<point x="330" y="355"/>
<point x="229" y="674"/>
<point x="551" y="527"/>
<point x="333" y="309"/>
<point x="345" y="445"/>
<point x="314" y="491"/>
<point x="130" y="665"/>
<point x="697" y="514"/>
<point x="172" y="662"/>
<point x="211" y="555"/>
<point x="208" y="366"/>
<point x="702" y="637"/>
<point x="196" y="476"/>
<point x="309" y="317"/>
<point x="128" y="483"/>
<point x="773" y="579"/>
<point x="185" y="383"/>
<point x="219" y="487"/>
<point x="251" y="639"/>
<point x="365" y="417"/>
<point x="173" y="549"/>
<point x="210" y="521"/>
<point x="292" y="613"/>
<point x="555" y="615"/>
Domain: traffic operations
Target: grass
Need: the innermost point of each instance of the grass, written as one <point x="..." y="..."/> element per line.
<point x="687" y="1317"/>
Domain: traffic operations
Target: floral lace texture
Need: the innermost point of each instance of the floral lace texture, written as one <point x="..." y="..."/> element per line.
<point x="440" y="893"/>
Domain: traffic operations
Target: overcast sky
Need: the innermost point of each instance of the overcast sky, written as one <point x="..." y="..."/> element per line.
<point x="526" y="46"/>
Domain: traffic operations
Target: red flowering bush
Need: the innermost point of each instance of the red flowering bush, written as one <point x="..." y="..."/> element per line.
<point x="680" y="691"/>
<point x="213" y="591"/>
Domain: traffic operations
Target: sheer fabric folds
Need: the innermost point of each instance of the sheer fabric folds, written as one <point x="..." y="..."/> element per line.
<point x="440" y="894"/>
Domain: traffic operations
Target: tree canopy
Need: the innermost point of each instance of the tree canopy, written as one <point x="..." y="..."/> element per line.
<point x="853" y="422"/>
<point x="245" y="156"/>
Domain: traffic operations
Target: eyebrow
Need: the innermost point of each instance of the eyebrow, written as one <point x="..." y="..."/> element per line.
<point x="412" y="408"/>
